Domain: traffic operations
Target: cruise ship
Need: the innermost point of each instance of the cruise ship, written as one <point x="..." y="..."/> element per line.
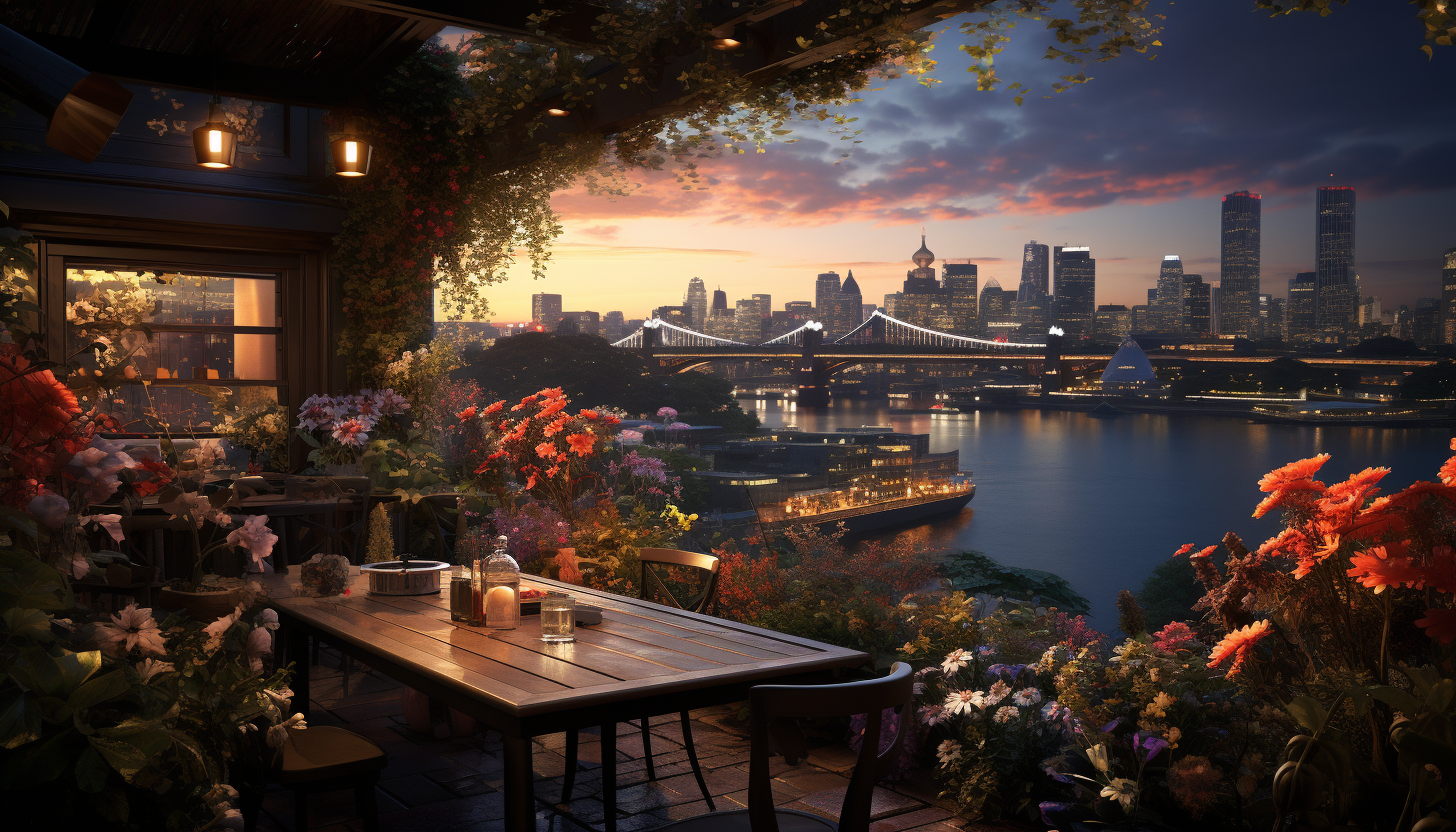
<point x="869" y="478"/>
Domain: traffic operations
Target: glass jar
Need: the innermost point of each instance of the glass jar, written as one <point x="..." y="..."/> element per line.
<point x="558" y="618"/>
<point x="502" y="589"/>
<point x="462" y="594"/>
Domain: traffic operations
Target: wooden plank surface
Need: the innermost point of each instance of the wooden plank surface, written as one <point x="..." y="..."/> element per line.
<point x="640" y="649"/>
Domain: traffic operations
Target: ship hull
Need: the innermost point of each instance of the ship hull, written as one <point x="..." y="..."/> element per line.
<point x="893" y="516"/>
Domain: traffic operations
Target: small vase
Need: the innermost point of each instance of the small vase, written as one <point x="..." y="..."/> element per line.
<point x="207" y="605"/>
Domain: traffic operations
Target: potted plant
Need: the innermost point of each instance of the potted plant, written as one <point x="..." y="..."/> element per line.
<point x="203" y="595"/>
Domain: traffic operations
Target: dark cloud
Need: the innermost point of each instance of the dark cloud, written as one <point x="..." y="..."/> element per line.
<point x="1235" y="99"/>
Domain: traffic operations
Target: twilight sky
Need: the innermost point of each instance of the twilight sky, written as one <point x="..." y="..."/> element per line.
<point x="1131" y="164"/>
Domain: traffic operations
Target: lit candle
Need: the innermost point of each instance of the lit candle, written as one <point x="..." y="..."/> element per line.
<point x="500" y="602"/>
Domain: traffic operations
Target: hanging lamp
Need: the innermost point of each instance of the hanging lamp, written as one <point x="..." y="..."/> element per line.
<point x="215" y="142"/>
<point x="351" y="152"/>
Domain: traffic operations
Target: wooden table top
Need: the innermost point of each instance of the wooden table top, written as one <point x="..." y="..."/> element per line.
<point x="640" y="649"/>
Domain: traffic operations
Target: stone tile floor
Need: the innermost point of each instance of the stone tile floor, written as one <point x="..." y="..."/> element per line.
<point x="441" y="783"/>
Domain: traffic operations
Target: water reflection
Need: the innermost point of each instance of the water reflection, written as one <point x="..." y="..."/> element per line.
<point x="1103" y="501"/>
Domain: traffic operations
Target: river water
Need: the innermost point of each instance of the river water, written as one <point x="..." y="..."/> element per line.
<point x="1103" y="501"/>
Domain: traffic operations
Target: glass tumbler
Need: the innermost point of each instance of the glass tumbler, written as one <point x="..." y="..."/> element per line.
<point x="558" y="618"/>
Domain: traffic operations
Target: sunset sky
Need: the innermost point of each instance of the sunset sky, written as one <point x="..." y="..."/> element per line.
<point x="1132" y="164"/>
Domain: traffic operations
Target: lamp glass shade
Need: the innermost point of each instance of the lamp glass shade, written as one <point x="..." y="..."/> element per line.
<point x="216" y="145"/>
<point x="351" y="155"/>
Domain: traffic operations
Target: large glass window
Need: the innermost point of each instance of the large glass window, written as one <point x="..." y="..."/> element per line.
<point x="196" y="342"/>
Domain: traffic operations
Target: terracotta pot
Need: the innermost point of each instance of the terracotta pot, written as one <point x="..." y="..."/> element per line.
<point x="207" y="606"/>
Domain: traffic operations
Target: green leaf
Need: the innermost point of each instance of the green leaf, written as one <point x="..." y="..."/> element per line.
<point x="30" y="623"/>
<point x="1396" y="698"/>
<point x="126" y="758"/>
<point x="1441" y="696"/>
<point x="41" y="763"/>
<point x="100" y="689"/>
<point x="1308" y="712"/>
<point x="19" y="719"/>
<point x="91" y="771"/>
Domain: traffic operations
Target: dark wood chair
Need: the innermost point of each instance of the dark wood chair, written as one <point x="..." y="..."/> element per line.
<point x="445" y="516"/>
<point x="320" y="759"/>
<point x="655" y="588"/>
<point x="771" y="709"/>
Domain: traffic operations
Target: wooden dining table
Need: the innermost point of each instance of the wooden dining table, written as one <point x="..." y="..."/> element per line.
<point x="644" y="659"/>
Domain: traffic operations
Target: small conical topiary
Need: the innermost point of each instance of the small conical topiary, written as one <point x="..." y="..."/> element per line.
<point x="381" y="537"/>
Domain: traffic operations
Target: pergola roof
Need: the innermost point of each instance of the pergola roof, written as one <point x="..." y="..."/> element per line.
<point x="323" y="52"/>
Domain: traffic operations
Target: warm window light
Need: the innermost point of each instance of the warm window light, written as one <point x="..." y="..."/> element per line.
<point x="351" y="152"/>
<point x="725" y="44"/>
<point x="215" y="143"/>
<point x="557" y="111"/>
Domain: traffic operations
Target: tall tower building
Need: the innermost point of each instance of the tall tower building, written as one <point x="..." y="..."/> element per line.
<point x="921" y="302"/>
<point x="995" y="308"/>
<point x="1448" y="298"/>
<point x="545" y="311"/>
<point x="826" y="289"/>
<point x="1076" y="290"/>
<point x="720" y="302"/>
<point x="697" y="300"/>
<point x="1171" y="294"/>
<point x="958" y="281"/>
<point x="1197" y="300"/>
<point x="1238" y="261"/>
<point x="1334" y="255"/>
<point x="848" y="306"/>
<point x="1031" y="295"/>
<point x="1299" y="315"/>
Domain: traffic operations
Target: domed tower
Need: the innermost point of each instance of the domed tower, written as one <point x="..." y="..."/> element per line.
<point x="924" y="257"/>
<point x="921" y="279"/>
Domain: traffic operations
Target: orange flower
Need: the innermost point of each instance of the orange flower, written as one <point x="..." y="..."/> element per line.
<point x="1203" y="553"/>
<point x="495" y="408"/>
<point x="526" y="402"/>
<point x="1439" y="625"/>
<point x="1385" y="566"/>
<point x="1309" y="561"/>
<point x="1183" y="550"/>
<point x="1448" y="471"/>
<point x="550" y="393"/>
<point x="568" y="566"/>
<point x="546" y="450"/>
<point x="530" y="482"/>
<point x="557" y="426"/>
<point x="588" y="414"/>
<point x="553" y="471"/>
<point x="1301" y="470"/>
<point x="582" y="443"/>
<point x="1283" y="492"/>
<point x="1239" y="644"/>
<point x="466" y="413"/>
<point x="552" y="408"/>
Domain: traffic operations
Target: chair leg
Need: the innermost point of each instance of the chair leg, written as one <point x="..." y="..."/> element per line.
<point x="647" y="749"/>
<point x="687" y="731"/>
<point x="300" y="810"/>
<point x="570" y="782"/>
<point x="348" y="668"/>
<point x="366" y="804"/>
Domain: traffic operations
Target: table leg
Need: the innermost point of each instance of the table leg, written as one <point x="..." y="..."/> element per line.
<point x="519" y="789"/>
<point x="609" y="777"/>
<point x="297" y="643"/>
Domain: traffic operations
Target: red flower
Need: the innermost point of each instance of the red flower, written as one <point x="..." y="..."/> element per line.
<point x="1301" y="470"/>
<point x="546" y="450"/>
<point x="34" y="405"/>
<point x="161" y="475"/>
<point x="582" y="443"/>
<point x="1239" y="644"/>
<point x="1439" y="625"/>
<point x="1385" y="566"/>
<point x="495" y="408"/>
<point x="592" y="415"/>
<point x="530" y="482"/>
<point x="1448" y="471"/>
<point x="466" y="413"/>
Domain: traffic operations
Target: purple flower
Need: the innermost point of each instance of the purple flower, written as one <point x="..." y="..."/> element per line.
<point x="1154" y="744"/>
<point x="1049" y="808"/>
<point x="1107" y="729"/>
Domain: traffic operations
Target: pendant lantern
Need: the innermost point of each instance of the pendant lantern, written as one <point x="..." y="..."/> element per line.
<point x="351" y="152"/>
<point x="215" y="142"/>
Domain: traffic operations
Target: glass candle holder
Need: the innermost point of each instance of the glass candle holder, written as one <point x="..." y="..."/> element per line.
<point x="558" y="618"/>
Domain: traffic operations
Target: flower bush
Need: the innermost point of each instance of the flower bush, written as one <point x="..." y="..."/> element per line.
<point x="338" y="427"/>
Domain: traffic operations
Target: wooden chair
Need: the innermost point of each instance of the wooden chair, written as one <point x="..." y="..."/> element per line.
<point x="771" y="707"/>
<point x="653" y="588"/>
<point x="322" y="758"/>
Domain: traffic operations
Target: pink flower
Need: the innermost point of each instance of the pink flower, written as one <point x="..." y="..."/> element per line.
<point x="150" y="668"/>
<point x="1173" y="636"/>
<point x="254" y="536"/>
<point x="351" y="432"/>
<point x="130" y="629"/>
<point x="110" y="522"/>
<point x="260" y="644"/>
<point x="217" y="629"/>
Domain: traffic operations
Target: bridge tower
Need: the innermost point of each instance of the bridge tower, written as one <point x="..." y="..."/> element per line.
<point x="649" y="339"/>
<point x="813" y="372"/>
<point x="1051" y="370"/>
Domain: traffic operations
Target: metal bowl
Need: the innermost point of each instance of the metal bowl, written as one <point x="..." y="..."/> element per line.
<point x="396" y="577"/>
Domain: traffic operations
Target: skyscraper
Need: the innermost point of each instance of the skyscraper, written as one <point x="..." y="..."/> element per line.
<point x="847" y="306"/>
<point x="1238" y="269"/>
<point x="1076" y="290"/>
<point x="697" y="300"/>
<point x="1196" y="306"/>
<point x="1448" y="298"/>
<point x="1334" y="254"/>
<point x="748" y="321"/>
<point x="921" y="301"/>
<point x="1299" y="315"/>
<point x="720" y="300"/>
<point x="545" y="311"/>
<point x="765" y="306"/>
<point x="1031" y="295"/>
<point x="958" y="281"/>
<point x="1169" y="306"/>
<point x="826" y="289"/>
<point x="995" y="308"/>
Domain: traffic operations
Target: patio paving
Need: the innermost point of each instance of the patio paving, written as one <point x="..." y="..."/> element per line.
<point x="440" y="783"/>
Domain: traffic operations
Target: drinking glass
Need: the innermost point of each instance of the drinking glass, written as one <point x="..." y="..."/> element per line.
<point x="558" y="618"/>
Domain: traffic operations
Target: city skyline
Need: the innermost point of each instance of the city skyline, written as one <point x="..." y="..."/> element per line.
<point x="1145" y="180"/>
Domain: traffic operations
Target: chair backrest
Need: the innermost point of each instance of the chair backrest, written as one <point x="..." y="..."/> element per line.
<point x="445" y="516"/>
<point x="771" y="709"/>
<point x="653" y="584"/>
